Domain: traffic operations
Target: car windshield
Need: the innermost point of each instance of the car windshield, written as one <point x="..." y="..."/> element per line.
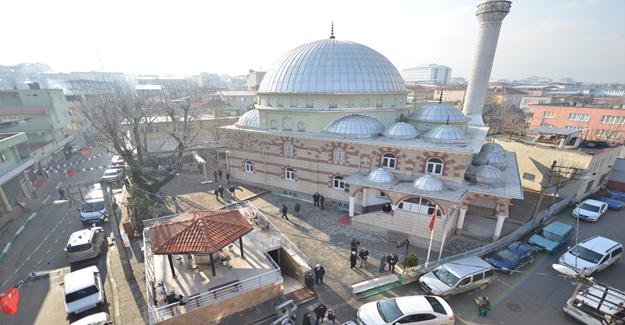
<point x="588" y="207"/>
<point x="436" y="305"/>
<point x="389" y="310"/>
<point x="78" y="248"/>
<point x="508" y="255"/>
<point x="77" y="295"/>
<point x="586" y="254"/>
<point x="444" y="275"/>
<point x="92" y="207"/>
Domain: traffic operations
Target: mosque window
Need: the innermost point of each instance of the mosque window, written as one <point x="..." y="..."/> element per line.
<point x="293" y="102"/>
<point x="338" y="183"/>
<point x="365" y="103"/>
<point x="419" y="205"/>
<point x="310" y="103"/>
<point x="287" y="124"/>
<point x="332" y="103"/>
<point x="339" y="155"/>
<point x="288" y="149"/>
<point x="249" y="167"/>
<point x="394" y="101"/>
<point x="289" y="174"/>
<point x="434" y="166"/>
<point x="273" y="124"/>
<point x="389" y="160"/>
<point x="301" y="126"/>
<point x="379" y="103"/>
<point x="269" y="102"/>
<point x="350" y="103"/>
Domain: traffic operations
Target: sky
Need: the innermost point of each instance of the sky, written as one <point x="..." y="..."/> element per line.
<point x="580" y="39"/>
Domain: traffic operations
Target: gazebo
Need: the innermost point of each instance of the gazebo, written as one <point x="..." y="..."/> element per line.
<point x="199" y="232"/>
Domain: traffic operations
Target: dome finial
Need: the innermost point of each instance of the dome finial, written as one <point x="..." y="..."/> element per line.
<point x="332" y="31"/>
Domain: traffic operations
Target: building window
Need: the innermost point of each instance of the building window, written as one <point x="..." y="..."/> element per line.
<point x="549" y="114"/>
<point x="289" y="174"/>
<point x="279" y="102"/>
<point x="287" y="124"/>
<point x="332" y="103"/>
<point x="301" y="126"/>
<point x="388" y="160"/>
<point x="583" y="117"/>
<point x="381" y="194"/>
<point x="310" y="103"/>
<point x="419" y="205"/>
<point x="608" y="134"/>
<point x="612" y="119"/>
<point x="273" y="124"/>
<point x="339" y="155"/>
<point x="338" y="183"/>
<point x="269" y="102"/>
<point x="529" y="177"/>
<point x="365" y="103"/>
<point x="288" y="149"/>
<point x="350" y="103"/>
<point x="434" y="166"/>
<point x="294" y="102"/>
<point x="379" y="103"/>
<point x="589" y="186"/>
<point x="249" y="167"/>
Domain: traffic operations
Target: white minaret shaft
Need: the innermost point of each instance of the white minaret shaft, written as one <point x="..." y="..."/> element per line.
<point x="490" y="14"/>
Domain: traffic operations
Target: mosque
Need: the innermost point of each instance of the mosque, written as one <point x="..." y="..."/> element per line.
<point x="332" y="118"/>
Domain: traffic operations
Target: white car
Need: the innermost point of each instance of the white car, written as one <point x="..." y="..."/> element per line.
<point x="592" y="255"/>
<point x="83" y="290"/>
<point x="406" y="310"/>
<point x="95" y="319"/>
<point x="117" y="162"/>
<point x="113" y="175"/>
<point x="590" y="210"/>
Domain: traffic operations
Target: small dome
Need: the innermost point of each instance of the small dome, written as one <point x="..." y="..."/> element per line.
<point x="402" y="131"/>
<point x="487" y="174"/>
<point x="491" y="146"/>
<point x="438" y="113"/>
<point x="491" y="157"/>
<point x="249" y="119"/>
<point x="355" y="126"/>
<point x="446" y="134"/>
<point x="380" y="175"/>
<point x="428" y="183"/>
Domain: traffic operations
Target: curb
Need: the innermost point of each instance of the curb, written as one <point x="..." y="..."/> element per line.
<point x="111" y="278"/>
<point x="15" y="235"/>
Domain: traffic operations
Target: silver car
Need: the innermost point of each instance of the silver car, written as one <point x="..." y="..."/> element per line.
<point x="458" y="276"/>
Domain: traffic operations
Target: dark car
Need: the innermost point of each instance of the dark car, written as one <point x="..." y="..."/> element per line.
<point x="614" y="202"/>
<point x="513" y="257"/>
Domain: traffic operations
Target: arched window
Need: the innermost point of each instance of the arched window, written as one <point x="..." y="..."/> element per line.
<point x="293" y="102"/>
<point x="379" y="103"/>
<point x="339" y="155"/>
<point x="289" y="174"/>
<point x="434" y="166"/>
<point x="389" y="160"/>
<point x="365" y="103"/>
<point x="269" y="102"/>
<point x="287" y="124"/>
<point x="338" y="183"/>
<point x="310" y="103"/>
<point x="273" y="124"/>
<point x="332" y="103"/>
<point x="279" y="102"/>
<point x="288" y="149"/>
<point x="301" y="126"/>
<point x="249" y="167"/>
<point x="420" y="205"/>
<point x="350" y="103"/>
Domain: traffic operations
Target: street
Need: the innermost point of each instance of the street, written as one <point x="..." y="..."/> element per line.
<point x="40" y="248"/>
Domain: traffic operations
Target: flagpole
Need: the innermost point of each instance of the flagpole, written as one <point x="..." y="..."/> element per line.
<point x="427" y="259"/>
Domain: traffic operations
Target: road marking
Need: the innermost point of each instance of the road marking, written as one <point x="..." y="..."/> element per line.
<point x="6" y="248"/>
<point x="46" y="199"/>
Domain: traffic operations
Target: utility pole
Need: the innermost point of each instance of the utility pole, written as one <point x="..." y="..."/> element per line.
<point x="108" y="199"/>
<point x="543" y="188"/>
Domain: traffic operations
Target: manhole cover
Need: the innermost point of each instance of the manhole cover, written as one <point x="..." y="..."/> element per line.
<point x="513" y="307"/>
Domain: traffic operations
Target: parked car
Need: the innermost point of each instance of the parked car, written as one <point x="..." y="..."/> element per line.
<point x="83" y="290"/>
<point x="458" y="276"/>
<point x="613" y="202"/>
<point x="514" y="256"/>
<point x="595" y="304"/>
<point x="93" y="207"/>
<point x="406" y="310"/>
<point x="84" y="244"/>
<point x="95" y="319"/>
<point x="552" y="236"/>
<point x="592" y="255"/>
<point x="590" y="210"/>
<point x="114" y="176"/>
<point x="117" y="162"/>
<point x="620" y="195"/>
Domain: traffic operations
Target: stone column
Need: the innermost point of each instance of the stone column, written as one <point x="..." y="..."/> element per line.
<point x="351" y="205"/>
<point x="461" y="213"/>
<point x="364" y="197"/>
<point x="498" y="226"/>
<point x="5" y="201"/>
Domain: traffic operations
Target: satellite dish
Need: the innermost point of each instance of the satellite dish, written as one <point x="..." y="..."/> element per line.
<point x="564" y="270"/>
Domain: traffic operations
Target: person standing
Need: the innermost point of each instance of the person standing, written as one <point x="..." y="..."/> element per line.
<point x="62" y="193"/>
<point x="215" y="175"/>
<point x="382" y="263"/>
<point x="306" y="319"/>
<point x="392" y="262"/>
<point x="220" y="174"/>
<point x="228" y="178"/>
<point x="364" y="255"/>
<point x="320" y="312"/>
<point x="308" y="280"/>
<point x="316" y="199"/>
<point x="320" y="271"/>
<point x="297" y="208"/>
<point x="220" y="189"/>
<point x="321" y="200"/>
<point x="352" y="260"/>
<point x="216" y="191"/>
<point x="232" y="190"/>
<point x="284" y="211"/>
<point x="331" y="316"/>
<point x="354" y="245"/>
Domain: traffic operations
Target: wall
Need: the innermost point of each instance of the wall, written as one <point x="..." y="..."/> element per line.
<point x="616" y="180"/>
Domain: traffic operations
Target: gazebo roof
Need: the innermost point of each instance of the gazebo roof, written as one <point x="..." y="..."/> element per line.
<point x="198" y="232"/>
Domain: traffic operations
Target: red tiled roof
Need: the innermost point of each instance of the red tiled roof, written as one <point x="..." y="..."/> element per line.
<point x="198" y="232"/>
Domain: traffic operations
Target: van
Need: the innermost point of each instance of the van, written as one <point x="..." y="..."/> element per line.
<point x="83" y="290"/>
<point x="93" y="207"/>
<point x="592" y="255"/>
<point x="458" y="276"/>
<point x="84" y="244"/>
<point x="101" y="318"/>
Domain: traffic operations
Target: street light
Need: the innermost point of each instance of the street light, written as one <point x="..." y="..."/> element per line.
<point x="227" y="162"/>
<point x="401" y="244"/>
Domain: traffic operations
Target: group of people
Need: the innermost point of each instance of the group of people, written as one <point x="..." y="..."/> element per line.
<point x="220" y="190"/>
<point x="321" y="312"/>
<point x="218" y="175"/>
<point x="318" y="200"/>
<point x="319" y="272"/>
<point x="390" y="260"/>
<point x="363" y="254"/>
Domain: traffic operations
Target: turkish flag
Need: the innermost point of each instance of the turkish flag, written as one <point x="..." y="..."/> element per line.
<point x="8" y="301"/>
<point x="84" y="152"/>
<point x="432" y="218"/>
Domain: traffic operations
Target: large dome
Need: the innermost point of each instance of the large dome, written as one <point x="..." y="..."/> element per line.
<point x="332" y="66"/>
<point x="355" y="126"/>
<point x="249" y="119"/>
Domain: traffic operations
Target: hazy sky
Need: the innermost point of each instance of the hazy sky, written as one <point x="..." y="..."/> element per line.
<point x="582" y="39"/>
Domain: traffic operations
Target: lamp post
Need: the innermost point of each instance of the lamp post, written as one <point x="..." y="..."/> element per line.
<point x="227" y="163"/>
<point x="403" y="243"/>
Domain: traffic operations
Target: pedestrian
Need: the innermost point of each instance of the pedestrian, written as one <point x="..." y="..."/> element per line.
<point x="62" y="193"/>
<point x="215" y="175"/>
<point x="308" y="280"/>
<point x="364" y="255"/>
<point x="382" y="263"/>
<point x="320" y="271"/>
<point x="354" y="245"/>
<point x="483" y="305"/>
<point x="352" y="260"/>
<point x="321" y="200"/>
<point x="331" y="316"/>
<point x="228" y="177"/>
<point x="316" y="199"/>
<point x="220" y="189"/>
<point x="297" y="208"/>
<point x="232" y="189"/>
<point x="320" y="312"/>
<point x="306" y="319"/>
<point x="220" y="174"/>
<point x="284" y="211"/>
<point x="393" y="259"/>
<point x="216" y="194"/>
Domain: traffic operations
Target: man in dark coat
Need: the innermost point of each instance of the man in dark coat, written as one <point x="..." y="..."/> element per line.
<point x="220" y="189"/>
<point x="352" y="260"/>
<point x="216" y="194"/>
<point x="316" y="199"/>
<point x="320" y="312"/>
<point x="321" y="200"/>
<point x="215" y="175"/>
<point x="354" y="245"/>
<point x="220" y="174"/>
<point x="297" y="209"/>
<point x="320" y="271"/>
<point x="308" y="280"/>
<point x="364" y="255"/>
<point x="284" y="211"/>
<point x="393" y="259"/>
<point x="306" y="319"/>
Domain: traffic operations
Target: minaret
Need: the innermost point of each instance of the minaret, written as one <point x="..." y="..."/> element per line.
<point x="490" y="14"/>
